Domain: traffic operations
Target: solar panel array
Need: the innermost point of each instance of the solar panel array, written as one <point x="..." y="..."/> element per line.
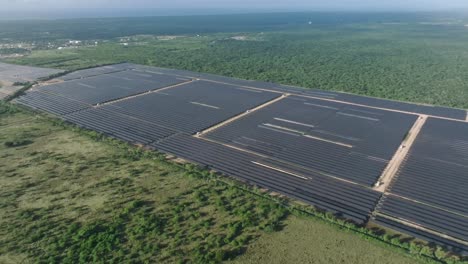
<point x="344" y="141"/>
<point x="112" y="86"/>
<point x="51" y="103"/>
<point x="192" y="107"/>
<point x="81" y="74"/>
<point x="315" y="146"/>
<point x="120" y="126"/>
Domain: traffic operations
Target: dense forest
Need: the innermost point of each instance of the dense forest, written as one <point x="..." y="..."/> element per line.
<point x="421" y="58"/>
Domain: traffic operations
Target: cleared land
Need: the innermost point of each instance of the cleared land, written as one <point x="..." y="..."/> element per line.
<point x="309" y="145"/>
<point x="6" y="91"/>
<point x="13" y="74"/>
<point x="303" y="242"/>
<point x="17" y="73"/>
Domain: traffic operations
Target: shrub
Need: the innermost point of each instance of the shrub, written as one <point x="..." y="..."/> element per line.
<point x="17" y="143"/>
<point x="7" y="108"/>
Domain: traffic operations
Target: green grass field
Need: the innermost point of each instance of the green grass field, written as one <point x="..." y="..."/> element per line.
<point x="66" y="198"/>
<point x="70" y="196"/>
<point x="306" y="240"/>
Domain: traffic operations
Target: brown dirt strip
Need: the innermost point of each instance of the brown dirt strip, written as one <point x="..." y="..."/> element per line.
<point x="398" y="158"/>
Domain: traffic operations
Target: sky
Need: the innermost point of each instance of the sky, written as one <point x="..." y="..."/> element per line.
<point x="56" y="9"/>
<point x="14" y="5"/>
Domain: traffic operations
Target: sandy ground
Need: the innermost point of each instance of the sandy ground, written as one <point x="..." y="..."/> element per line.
<point x="17" y="73"/>
<point x="7" y="91"/>
<point x="395" y="163"/>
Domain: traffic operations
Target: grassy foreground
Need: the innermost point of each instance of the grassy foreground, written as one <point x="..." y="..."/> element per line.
<point x="70" y="196"/>
<point x="306" y="240"/>
<point x="67" y="198"/>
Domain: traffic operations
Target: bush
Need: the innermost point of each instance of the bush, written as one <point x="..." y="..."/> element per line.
<point x="7" y="108"/>
<point x="219" y="256"/>
<point x="17" y="143"/>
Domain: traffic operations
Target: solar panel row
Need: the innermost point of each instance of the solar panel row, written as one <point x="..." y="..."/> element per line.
<point x="407" y="107"/>
<point x="433" y="218"/>
<point x="120" y="126"/>
<point x="426" y="236"/>
<point x="53" y="104"/>
<point x="81" y="74"/>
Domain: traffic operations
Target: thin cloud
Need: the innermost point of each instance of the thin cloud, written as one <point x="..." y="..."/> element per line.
<point x="257" y="4"/>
